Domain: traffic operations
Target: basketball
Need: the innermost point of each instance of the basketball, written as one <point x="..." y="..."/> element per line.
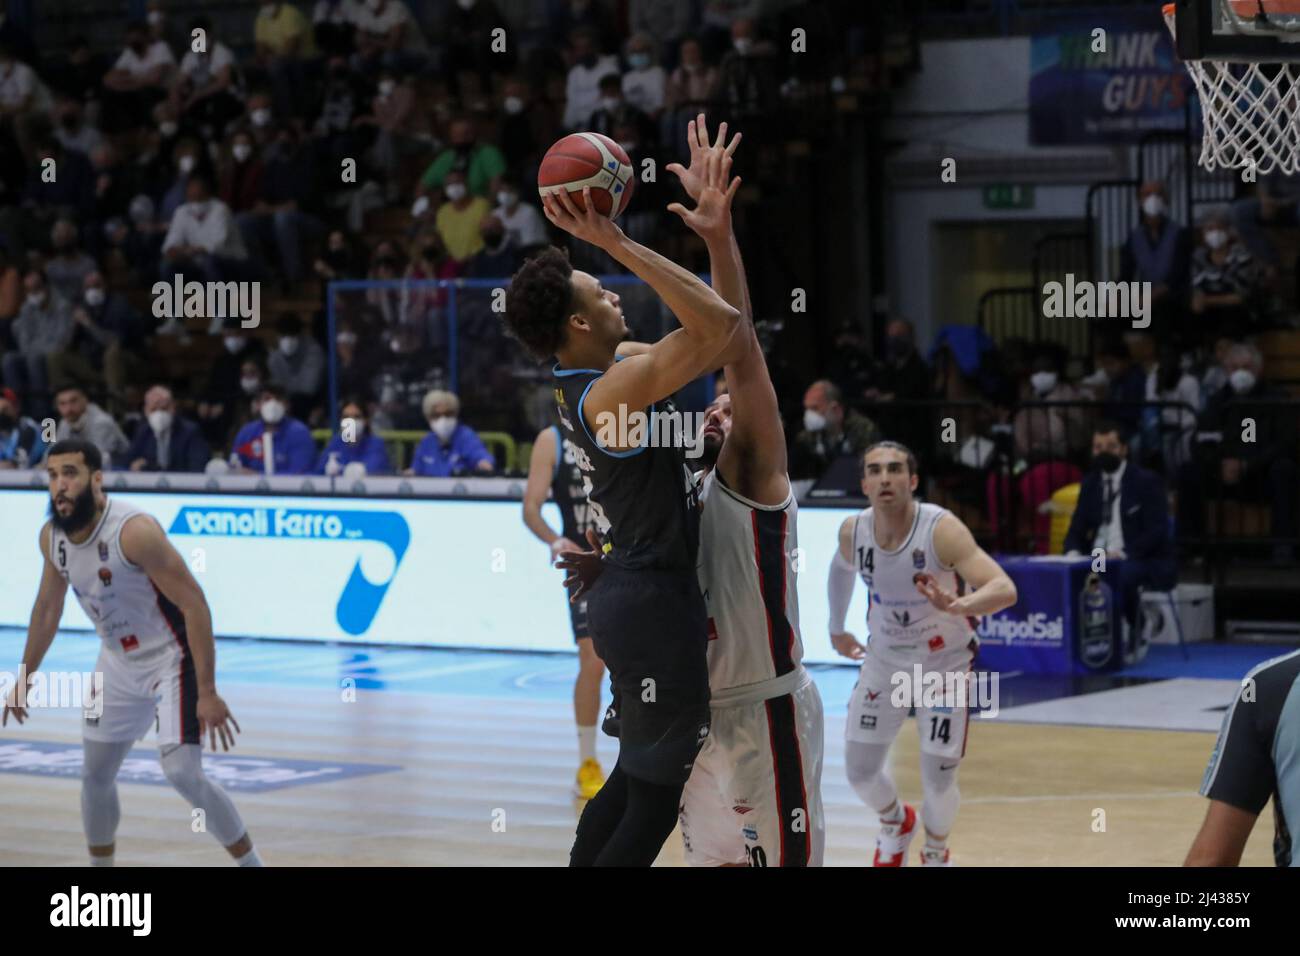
<point x="588" y="159"/>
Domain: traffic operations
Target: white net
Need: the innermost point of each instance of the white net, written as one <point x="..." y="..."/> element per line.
<point x="1248" y="111"/>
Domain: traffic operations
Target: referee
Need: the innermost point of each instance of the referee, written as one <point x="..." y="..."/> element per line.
<point x="1257" y="756"/>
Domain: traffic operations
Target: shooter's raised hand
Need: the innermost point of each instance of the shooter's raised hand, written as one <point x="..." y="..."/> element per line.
<point x="584" y="223"/>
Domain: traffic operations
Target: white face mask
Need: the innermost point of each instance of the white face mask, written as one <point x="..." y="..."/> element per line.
<point x="160" y="421"/>
<point x="514" y="105"/>
<point x="261" y="116"/>
<point x="346" y="338"/>
<point x="1216" y="238"/>
<point x="386" y="88"/>
<point x="272" y="411"/>
<point x="250" y="385"/>
<point x="813" y="421"/>
<point x="638" y="60"/>
<point x="200" y="207"/>
<point x="744" y="45"/>
<point x="94" y="297"/>
<point x="186" y="163"/>
<point x="1042" y="382"/>
<point x="233" y="343"/>
<point x="443" y="427"/>
<point x="168" y="129"/>
<point x="36" y="299"/>
<point x="1242" y="380"/>
<point x="1153" y="206"/>
<point x="155" y="18"/>
<point x="241" y="151"/>
<point x="610" y="103"/>
<point x="507" y="199"/>
<point x="455" y="191"/>
<point x="289" y="346"/>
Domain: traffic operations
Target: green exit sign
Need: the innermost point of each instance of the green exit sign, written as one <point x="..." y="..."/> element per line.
<point x="1008" y="196"/>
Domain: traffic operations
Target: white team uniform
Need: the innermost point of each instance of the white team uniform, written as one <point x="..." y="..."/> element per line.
<point x="754" y="795"/>
<point x="905" y="630"/>
<point x="145" y="658"/>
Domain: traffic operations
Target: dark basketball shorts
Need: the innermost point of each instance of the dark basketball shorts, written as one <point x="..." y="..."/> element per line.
<point x="578" y="618"/>
<point x="651" y="630"/>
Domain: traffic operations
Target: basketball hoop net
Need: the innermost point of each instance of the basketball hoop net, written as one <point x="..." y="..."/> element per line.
<point x="1248" y="111"/>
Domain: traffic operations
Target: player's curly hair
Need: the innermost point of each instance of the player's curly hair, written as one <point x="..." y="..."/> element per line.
<point x="539" y="301"/>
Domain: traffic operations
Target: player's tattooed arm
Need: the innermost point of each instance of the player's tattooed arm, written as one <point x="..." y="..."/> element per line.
<point x="955" y="547"/>
<point x="41" y="627"/>
<point x="839" y="590"/>
<point x="145" y="544"/>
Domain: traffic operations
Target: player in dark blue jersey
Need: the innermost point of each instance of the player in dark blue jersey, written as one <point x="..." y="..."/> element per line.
<point x="646" y="613"/>
<point x="553" y="468"/>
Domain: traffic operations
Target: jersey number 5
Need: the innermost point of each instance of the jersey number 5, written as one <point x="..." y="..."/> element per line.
<point x="866" y="559"/>
<point x="63" y="554"/>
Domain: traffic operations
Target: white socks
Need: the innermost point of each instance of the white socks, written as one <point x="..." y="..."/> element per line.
<point x="586" y="742"/>
<point x="249" y="859"/>
<point x="101" y="860"/>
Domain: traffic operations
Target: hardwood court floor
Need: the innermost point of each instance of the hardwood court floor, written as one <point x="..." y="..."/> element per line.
<point x="484" y="780"/>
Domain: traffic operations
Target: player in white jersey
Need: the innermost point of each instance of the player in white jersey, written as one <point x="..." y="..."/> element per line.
<point x="927" y="580"/>
<point x="754" y="794"/>
<point x="157" y="658"/>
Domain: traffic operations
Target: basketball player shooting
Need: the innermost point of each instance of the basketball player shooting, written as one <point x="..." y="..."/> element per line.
<point x="646" y="614"/>
<point x="927" y="581"/>
<point x="158" y="658"/>
<point x="754" y="797"/>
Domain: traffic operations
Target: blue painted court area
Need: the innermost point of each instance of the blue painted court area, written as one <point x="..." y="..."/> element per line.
<point x="533" y="676"/>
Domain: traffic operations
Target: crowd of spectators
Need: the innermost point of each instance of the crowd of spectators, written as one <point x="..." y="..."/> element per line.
<point x="294" y="144"/>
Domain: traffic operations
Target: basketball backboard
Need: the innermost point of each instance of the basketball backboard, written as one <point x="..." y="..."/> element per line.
<point x="1238" y="30"/>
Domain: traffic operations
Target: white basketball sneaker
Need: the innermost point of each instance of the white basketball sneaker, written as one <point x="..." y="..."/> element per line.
<point x="934" y="857"/>
<point x="894" y="838"/>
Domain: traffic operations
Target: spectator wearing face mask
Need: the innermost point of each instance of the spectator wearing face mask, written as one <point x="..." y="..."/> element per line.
<point x="203" y="241"/>
<point x="338" y="261"/>
<point x="1171" y="380"/>
<point x="1275" y="204"/>
<point x="354" y="442"/>
<point x="81" y="418"/>
<point x="386" y="266"/>
<point x="615" y="112"/>
<point x="523" y="222"/>
<point x="498" y="257"/>
<point x="21" y="443"/>
<point x="24" y="99"/>
<point x="241" y="177"/>
<point x="481" y="164"/>
<point x="1215" y="375"/>
<point x="67" y="268"/>
<point x="645" y="84"/>
<point x="73" y="130"/>
<point x="1124" y="513"/>
<point x="582" y="87"/>
<point x="166" y="440"/>
<point x="525" y="125"/>
<point x="1122" y="383"/>
<point x="747" y="80"/>
<point x="283" y="215"/>
<point x="459" y="219"/>
<point x="274" y="443"/>
<point x="692" y="85"/>
<point x="1225" y="277"/>
<point x="1253" y="462"/>
<point x="397" y="124"/>
<point x="297" y="365"/>
<point x="224" y="397"/>
<point x="1158" y="251"/>
<point x="283" y="43"/>
<point x="105" y="332"/>
<point x="451" y="448"/>
<point x="830" y="431"/>
<point x="43" y="327"/>
<point x="189" y="157"/>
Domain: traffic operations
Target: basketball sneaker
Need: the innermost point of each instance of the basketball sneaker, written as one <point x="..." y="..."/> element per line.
<point x="933" y="857"/>
<point x="894" y="838"/>
<point x="590" y="779"/>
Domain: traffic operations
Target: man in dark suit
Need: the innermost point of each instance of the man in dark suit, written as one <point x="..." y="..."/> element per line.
<point x="165" y="441"/>
<point x="1123" y="511"/>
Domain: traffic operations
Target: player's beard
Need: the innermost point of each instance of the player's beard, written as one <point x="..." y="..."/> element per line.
<point x="710" y="448"/>
<point x="83" y="510"/>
